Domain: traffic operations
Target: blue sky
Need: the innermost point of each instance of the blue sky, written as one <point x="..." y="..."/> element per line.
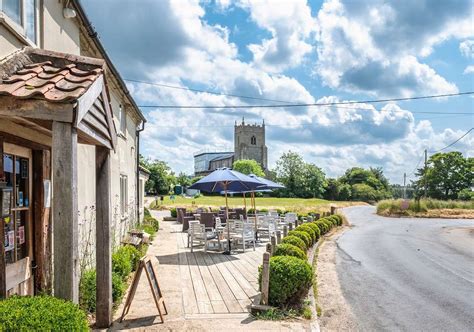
<point x="298" y="51"/>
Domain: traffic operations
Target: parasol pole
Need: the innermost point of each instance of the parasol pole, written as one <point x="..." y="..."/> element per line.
<point x="227" y="219"/>
<point x="245" y="202"/>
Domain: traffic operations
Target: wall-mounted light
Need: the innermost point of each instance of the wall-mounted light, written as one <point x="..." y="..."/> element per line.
<point x="69" y="12"/>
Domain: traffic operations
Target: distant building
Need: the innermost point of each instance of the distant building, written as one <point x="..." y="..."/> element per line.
<point x="249" y="143"/>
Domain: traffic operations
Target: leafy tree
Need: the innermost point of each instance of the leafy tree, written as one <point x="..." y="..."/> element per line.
<point x="364" y="192"/>
<point x="345" y="192"/>
<point x="196" y="179"/>
<point x="446" y="175"/>
<point x="332" y="190"/>
<point x="315" y="181"/>
<point x="161" y="177"/>
<point x="183" y="180"/>
<point x="290" y="170"/>
<point x="248" y="166"/>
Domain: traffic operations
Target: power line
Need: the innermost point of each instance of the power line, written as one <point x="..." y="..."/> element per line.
<point x="168" y="86"/>
<point x="313" y="104"/>
<point x="460" y="138"/>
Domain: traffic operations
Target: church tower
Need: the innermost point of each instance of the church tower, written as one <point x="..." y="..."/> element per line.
<point x="249" y="142"/>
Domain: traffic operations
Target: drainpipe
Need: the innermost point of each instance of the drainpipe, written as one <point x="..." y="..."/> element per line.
<point x="138" y="170"/>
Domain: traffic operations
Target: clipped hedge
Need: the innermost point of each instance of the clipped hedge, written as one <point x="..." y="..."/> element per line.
<point x="315" y="228"/>
<point x="174" y="213"/>
<point x="41" y="313"/>
<point x="296" y="241"/>
<point x="308" y="230"/>
<point x="303" y="236"/>
<point x="286" y="249"/>
<point x="290" y="280"/>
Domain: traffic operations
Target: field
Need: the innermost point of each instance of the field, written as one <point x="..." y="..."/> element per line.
<point x="300" y="205"/>
<point x="427" y="208"/>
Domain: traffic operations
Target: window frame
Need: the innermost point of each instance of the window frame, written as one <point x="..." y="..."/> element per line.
<point x="19" y="30"/>
<point x="122" y="121"/>
<point x="123" y="196"/>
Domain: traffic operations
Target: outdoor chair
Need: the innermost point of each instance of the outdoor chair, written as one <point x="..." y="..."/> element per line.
<point x="197" y="233"/>
<point x="184" y="219"/>
<point x="266" y="226"/>
<point x="243" y="233"/>
<point x="208" y="220"/>
<point x="273" y="213"/>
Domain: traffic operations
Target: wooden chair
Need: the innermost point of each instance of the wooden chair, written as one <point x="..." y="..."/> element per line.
<point x="243" y="233"/>
<point x="184" y="219"/>
<point x="267" y="226"/>
<point x="197" y="233"/>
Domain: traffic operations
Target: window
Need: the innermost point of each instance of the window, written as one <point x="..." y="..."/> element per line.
<point x="253" y="140"/>
<point x="123" y="120"/>
<point x="24" y="16"/>
<point x="123" y="195"/>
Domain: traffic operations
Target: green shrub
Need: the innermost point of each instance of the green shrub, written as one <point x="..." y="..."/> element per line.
<point x="122" y="262"/>
<point x="296" y="241"/>
<point x="118" y="287"/>
<point x="290" y="280"/>
<point x="308" y="230"/>
<point x="174" y="213"/>
<point x="87" y="289"/>
<point x="466" y="194"/>
<point x="134" y="255"/>
<point x="303" y="236"/>
<point x="315" y="228"/>
<point x="328" y="223"/>
<point x="41" y="313"/>
<point x="152" y="222"/>
<point x="323" y="228"/>
<point x="146" y="213"/>
<point x="286" y="249"/>
<point x="333" y="219"/>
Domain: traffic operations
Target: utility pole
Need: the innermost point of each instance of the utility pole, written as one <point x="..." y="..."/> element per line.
<point x="424" y="172"/>
<point x="404" y="185"/>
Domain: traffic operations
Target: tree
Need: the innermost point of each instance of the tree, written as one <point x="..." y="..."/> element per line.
<point x="332" y="190"/>
<point x="248" y="166"/>
<point x="315" y="181"/>
<point x="290" y="170"/>
<point x="161" y="177"/>
<point x="446" y="175"/>
<point x="364" y="192"/>
<point x="183" y="179"/>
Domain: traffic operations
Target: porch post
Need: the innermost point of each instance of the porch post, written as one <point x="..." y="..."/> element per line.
<point x="103" y="241"/>
<point x="3" y="276"/>
<point x="65" y="225"/>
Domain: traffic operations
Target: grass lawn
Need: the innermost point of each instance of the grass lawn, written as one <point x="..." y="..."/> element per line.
<point x="427" y="208"/>
<point x="289" y="204"/>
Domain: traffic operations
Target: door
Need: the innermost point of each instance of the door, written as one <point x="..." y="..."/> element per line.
<point x="17" y="164"/>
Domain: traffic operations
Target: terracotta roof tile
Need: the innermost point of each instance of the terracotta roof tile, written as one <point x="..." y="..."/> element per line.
<point x="61" y="78"/>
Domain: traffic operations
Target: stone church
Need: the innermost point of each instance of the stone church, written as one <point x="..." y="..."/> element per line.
<point x="249" y="143"/>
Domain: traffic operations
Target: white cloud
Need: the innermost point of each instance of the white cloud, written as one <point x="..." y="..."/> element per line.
<point x="291" y="25"/>
<point x="469" y="70"/>
<point x="375" y="46"/>
<point x="467" y="48"/>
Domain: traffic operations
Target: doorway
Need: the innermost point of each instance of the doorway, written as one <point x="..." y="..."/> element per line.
<point x="17" y="167"/>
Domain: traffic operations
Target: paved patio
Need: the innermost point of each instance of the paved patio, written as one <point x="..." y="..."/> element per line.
<point x="202" y="291"/>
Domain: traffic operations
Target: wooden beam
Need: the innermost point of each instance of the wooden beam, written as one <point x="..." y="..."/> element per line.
<point x="42" y="253"/>
<point x="65" y="223"/>
<point x="36" y="109"/>
<point x="3" y="281"/>
<point x="85" y="102"/>
<point x="10" y="138"/>
<point x="103" y="240"/>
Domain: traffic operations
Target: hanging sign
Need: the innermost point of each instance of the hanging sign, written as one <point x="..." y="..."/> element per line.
<point x="147" y="266"/>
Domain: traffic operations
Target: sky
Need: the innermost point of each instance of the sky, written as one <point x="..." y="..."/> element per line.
<point x="297" y="51"/>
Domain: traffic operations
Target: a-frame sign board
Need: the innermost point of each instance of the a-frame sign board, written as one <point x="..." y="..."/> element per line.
<point x="147" y="266"/>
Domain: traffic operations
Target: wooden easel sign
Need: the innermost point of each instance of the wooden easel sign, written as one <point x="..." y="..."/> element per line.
<point x="147" y="266"/>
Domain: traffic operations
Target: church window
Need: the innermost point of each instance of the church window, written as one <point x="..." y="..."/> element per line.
<point x="253" y="140"/>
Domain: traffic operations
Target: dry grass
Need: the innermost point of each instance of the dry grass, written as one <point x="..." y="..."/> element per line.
<point x="299" y="205"/>
<point x="427" y="209"/>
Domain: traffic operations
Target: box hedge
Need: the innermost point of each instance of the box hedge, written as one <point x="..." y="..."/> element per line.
<point x="315" y="228"/>
<point x="41" y="313"/>
<point x="303" y="236"/>
<point x="290" y="280"/>
<point x="296" y="241"/>
<point x="287" y="249"/>
<point x="308" y="230"/>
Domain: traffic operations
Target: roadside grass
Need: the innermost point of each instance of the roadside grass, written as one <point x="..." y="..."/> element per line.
<point x="300" y="205"/>
<point x="427" y="208"/>
<point x="282" y="314"/>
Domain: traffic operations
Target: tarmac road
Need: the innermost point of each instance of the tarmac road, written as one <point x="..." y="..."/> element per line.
<point x="407" y="274"/>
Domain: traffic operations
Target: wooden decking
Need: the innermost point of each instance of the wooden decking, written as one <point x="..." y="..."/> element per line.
<point x="213" y="283"/>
